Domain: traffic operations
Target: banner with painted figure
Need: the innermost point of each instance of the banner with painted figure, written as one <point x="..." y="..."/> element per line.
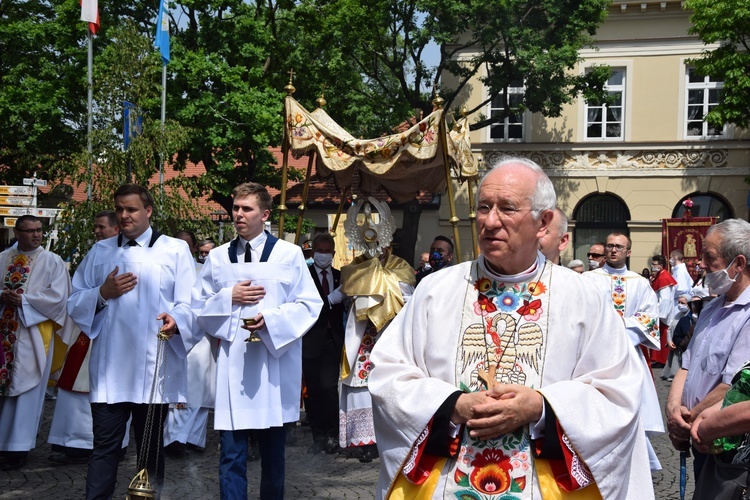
<point x="686" y="235"/>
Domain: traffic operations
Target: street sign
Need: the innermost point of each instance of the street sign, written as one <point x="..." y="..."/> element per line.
<point x="45" y="212"/>
<point x="34" y="182"/>
<point x="15" y="211"/>
<point x="17" y="190"/>
<point x="17" y="200"/>
<point x="10" y="221"/>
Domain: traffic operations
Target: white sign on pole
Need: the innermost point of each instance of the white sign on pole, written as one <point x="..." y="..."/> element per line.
<point x="17" y="190"/>
<point x="34" y="182"/>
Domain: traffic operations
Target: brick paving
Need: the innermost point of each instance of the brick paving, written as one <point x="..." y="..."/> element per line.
<point x="307" y="476"/>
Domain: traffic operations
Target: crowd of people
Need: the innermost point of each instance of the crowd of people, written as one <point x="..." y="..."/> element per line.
<point x="508" y="374"/>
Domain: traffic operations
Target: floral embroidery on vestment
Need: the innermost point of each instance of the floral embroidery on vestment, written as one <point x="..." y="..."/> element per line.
<point x="17" y="274"/>
<point x="504" y="329"/>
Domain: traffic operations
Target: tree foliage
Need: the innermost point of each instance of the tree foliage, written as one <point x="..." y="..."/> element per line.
<point x="129" y="70"/>
<point x="726" y="22"/>
<point x="498" y="41"/>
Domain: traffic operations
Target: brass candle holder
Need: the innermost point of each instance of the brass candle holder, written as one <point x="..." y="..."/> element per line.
<point x="253" y="334"/>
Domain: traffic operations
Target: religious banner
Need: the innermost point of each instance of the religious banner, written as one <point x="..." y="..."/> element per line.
<point x="686" y="235"/>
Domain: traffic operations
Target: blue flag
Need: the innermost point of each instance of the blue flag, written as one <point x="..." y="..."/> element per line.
<point x="162" y="32"/>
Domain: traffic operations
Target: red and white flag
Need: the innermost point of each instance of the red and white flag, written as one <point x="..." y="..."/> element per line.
<point x="90" y="14"/>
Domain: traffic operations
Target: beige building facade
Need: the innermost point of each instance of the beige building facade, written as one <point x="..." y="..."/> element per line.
<point x="628" y="164"/>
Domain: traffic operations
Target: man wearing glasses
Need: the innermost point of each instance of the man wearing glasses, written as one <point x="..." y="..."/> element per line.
<point x="596" y="256"/>
<point x="35" y="288"/>
<point x="635" y="301"/>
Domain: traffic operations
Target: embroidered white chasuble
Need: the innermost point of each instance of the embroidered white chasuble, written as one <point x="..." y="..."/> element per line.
<point x="543" y="332"/>
<point x="41" y="279"/>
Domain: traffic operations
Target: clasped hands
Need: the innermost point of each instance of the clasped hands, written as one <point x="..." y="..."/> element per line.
<point x="10" y="297"/>
<point x="679" y="420"/>
<point x="499" y="410"/>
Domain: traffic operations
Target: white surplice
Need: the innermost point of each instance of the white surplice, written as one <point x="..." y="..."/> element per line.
<point x="258" y="384"/>
<point x="45" y="291"/>
<point x="124" y="333"/>
<point x="590" y="380"/>
<point x="633" y="298"/>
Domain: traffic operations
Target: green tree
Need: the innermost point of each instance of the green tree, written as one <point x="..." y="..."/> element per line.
<point x="533" y="41"/>
<point x="128" y="69"/>
<point x="726" y="22"/>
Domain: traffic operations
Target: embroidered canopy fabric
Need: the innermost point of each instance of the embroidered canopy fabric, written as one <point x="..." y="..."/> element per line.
<point x="403" y="163"/>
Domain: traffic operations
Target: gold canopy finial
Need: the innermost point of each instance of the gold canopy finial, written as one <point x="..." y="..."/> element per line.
<point x="322" y="100"/>
<point x="289" y="87"/>
<point x="438" y="101"/>
<point x="464" y="111"/>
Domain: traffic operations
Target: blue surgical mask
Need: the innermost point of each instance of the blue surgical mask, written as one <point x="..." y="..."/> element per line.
<point x="437" y="258"/>
<point x="310" y="261"/>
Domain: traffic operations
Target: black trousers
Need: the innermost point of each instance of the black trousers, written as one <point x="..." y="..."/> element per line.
<point x="109" y="421"/>
<point x="322" y="379"/>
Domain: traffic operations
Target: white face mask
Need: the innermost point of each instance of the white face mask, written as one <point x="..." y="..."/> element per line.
<point x="671" y="262"/>
<point x="719" y="281"/>
<point x="683" y="308"/>
<point x="593" y="264"/>
<point x="655" y="269"/>
<point x="323" y="260"/>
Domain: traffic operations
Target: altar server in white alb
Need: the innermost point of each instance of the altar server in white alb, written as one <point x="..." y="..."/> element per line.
<point x="35" y="287"/>
<point x="125" y="291"/>
<point x="260" y="278"/>
<point x="495" y="379"/>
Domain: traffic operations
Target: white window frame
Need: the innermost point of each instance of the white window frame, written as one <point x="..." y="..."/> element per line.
<point x="506" y="123"/>
<point x="706" y="86"/>
<point x="620" y="88"/>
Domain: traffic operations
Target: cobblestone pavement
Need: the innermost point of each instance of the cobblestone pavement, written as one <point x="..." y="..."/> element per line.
<point x="307" y="476"/>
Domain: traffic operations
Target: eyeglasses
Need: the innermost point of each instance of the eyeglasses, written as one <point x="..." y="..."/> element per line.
<point x="29" y="231"/>
<point x="594" y="255"/>
<point x="504" y="211"/>
<point x="619" y="248"/>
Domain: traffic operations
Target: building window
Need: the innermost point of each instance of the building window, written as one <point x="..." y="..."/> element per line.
<point x="596" y="216"/>
<point x="704" y="205"/>
<point x="509" y="128"/>
<point x="702" y="96"/>
<point x="604" y="122"/>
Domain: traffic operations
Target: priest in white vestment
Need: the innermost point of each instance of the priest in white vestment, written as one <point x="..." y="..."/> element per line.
<point x="634" y="300"/>
<point x="35" y="286"/>
<point x="495" y="379"/>
<point x="255" y="294"/>
<point x="126" y="291"/>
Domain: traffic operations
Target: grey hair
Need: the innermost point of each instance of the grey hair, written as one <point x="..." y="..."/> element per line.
<point x="735" y="239"/>
<point x="543" y="198"/>
<point x="563" y="224"/>
<point x="575" y="263"/>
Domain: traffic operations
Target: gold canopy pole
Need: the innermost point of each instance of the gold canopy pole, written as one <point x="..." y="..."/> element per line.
<point x="344" y="192"/>
<point x="304" y="197"/>
<point x="473" y="218"/>
<point x="472" y="206"/>
<point x="285" y="154"/>
<point x="442" y="133"/>
<point x="321" y="102"/>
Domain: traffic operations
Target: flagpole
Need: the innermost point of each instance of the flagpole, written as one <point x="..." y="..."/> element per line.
<point x="163" y="116"/>
<point x="90" y="101"/>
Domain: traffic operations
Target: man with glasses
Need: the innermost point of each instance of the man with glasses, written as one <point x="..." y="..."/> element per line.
<point x="634" y="300"/>
<point x="502" y="355"/>
<point x="596" y="256"/>
<point x="35" y="288"/>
